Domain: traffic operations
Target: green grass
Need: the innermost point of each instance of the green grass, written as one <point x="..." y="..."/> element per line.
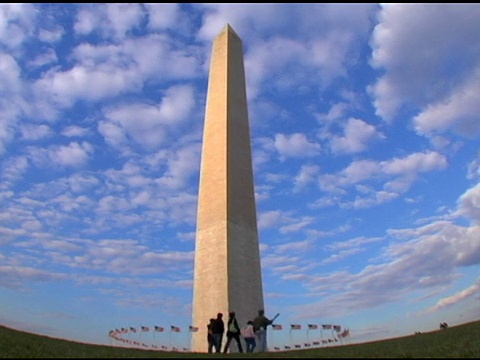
<point x="462" y="341"/>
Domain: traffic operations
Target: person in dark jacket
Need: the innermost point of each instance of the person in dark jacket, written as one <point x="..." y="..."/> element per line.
<point x="260" y="324"/>
<point x="218" y="328"/>
<point x="233" y="332"/>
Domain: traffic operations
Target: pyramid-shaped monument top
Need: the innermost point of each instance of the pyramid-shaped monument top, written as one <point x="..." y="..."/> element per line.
<point x="228" y="28"/>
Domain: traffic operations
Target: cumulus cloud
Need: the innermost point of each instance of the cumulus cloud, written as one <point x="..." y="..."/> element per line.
<point x="401" y="172"/>
<point x="110" y="20"/>
<point x="308" y="174"/>
<point x="75" y="131"/>
<point x="163" y="16"/>
<point x="458" y="112"/>
<point x="469" y="204"/>
<point x="357" y="136"/>
<point x="295" y="146"/>
<point x="419" y="70"/>
<point x="75" y="154"/>
<point x="35" y="132"/>
<point x="148" y="124"/>
<point x="15" y="23"/>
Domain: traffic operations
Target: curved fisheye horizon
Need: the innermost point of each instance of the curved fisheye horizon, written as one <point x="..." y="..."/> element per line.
<point x="364" y="132"/>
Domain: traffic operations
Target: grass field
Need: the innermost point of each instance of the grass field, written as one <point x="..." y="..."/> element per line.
<point x="462" y="341"/>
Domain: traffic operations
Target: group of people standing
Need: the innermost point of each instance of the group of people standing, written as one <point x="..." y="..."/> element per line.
<point x="251" y="332"/>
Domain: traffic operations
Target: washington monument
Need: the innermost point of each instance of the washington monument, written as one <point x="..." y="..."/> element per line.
<point x="227" y="274"/>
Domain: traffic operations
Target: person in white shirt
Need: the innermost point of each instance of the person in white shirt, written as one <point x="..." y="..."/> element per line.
<point x="249" y="336"/>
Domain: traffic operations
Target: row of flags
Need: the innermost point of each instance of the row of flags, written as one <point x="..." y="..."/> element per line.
<point x="337" y="328"/>
<point x="131" y="329"/>
<point x="299" y="346"/>
<point x="191" y="328"/>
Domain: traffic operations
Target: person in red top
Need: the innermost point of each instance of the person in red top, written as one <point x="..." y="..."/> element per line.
<point x="249" y="336"/>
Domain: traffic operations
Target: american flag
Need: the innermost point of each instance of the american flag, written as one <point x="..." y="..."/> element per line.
<point x="326" y="327"/>
<point x="296" y="327"/>
<point x="337" y="328"/>
<point x="193" y="328"/>
<point x="175" y="328"/>
<point x="145" y="328"/>
<point x="159" y="329"/>
<point x="312" y="326"/>
<point x="277" y="327"/>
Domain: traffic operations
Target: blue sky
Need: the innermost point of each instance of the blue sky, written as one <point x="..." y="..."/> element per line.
<point x="365" y="130"/>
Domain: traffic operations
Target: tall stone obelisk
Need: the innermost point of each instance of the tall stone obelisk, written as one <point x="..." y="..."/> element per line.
<point x="227" y="257"/>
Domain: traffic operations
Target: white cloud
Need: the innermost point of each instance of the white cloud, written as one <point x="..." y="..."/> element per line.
<point x="469" y="204"/>
<point x="75" y="131"/>
<point x="414" y="163"/>
<point x="414" y="44"/>
<point x="269" y="219"/>
<point x="15" y="276"/>
<point x="403" y="170"/>
<point x="51" y="35"/>
<point x="110" y="20"/>
<point x="14" y="168"/>
<point x="64" y="88"/>
<point x="456" y="298"/>
<point x="295" y="146"/>
<point x="11" y="102"/>
<point x="163" y="16"/>
<point x="16" y="23"/>
<point x="35" y="132"/>
<point x="181" y="166"/>
<point x="45" y="58"/>
<point x="148" y="124"/>
<point x="75" y="154"/>
<point x="357" y="136"/>
<point x="458" y="112"/>
<point x="114" y="134"/>
<point x="308" y="174"/>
